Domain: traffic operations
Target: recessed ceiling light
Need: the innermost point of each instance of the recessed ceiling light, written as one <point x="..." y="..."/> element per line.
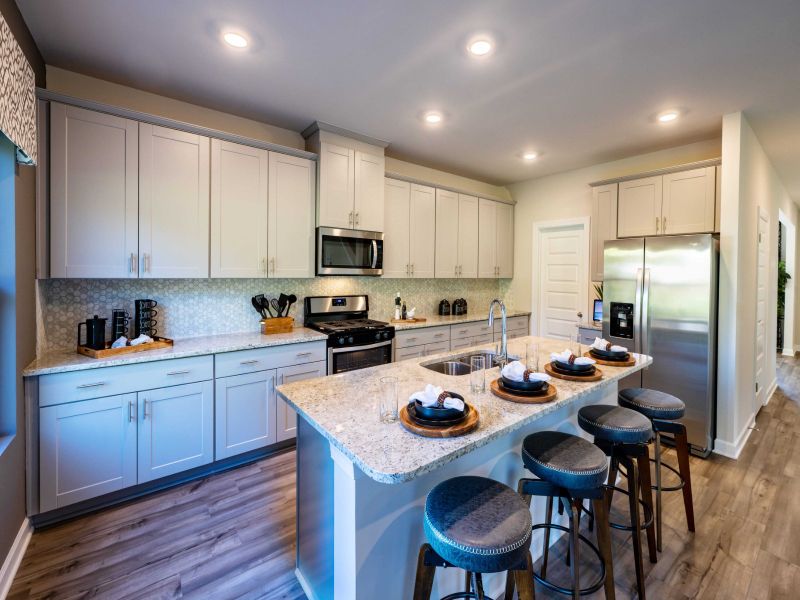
<point x="237" y="40"/>
<point x="480" y="47"/>
<point x="529" y="156"/>
<point x="433" y="118"/>
<point x="668" y="116"/>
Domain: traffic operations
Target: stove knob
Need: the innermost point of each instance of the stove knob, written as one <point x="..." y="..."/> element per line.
<point x="341" y="341"/>
<point x="378" y="335"/>
<point x="350" y="339"/>
<point x="386" y="335"/>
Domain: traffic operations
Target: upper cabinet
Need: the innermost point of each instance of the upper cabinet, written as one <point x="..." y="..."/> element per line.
<point x="467" y="236"/>
<point x="505" y="240"/>
<point x="94" y="194"/>
<point x="337" y="173"/>
<point x="456" y="235"/>
<point x="495" y="239"/>
<point x="410" y="232"/>
<point x="603" y="225"/>
<point x="639" y="212"/>
<point x="368" y="202"/>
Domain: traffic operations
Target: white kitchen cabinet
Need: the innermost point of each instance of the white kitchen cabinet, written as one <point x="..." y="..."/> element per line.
<point x="603" y="225"/>
<point x="688" y="204"/>
<point x="639" y="211"/>
<point x="176" y="429"/>
<point x="487" y="239"/>
<point x="86" y="449"/>
<point x="245" y="413"/>
<point x="174" y="203"/>
<point x="286" y="417"/>
<point x="336" y="186"/>
<point x="368" y="202"/>
<point x="410" y="352"/>
<point x="505" y="240"/>
<point x="467" y="236"/>
<point x="718" y="202"/>
<point x="239" y="210"/>
<point x="397" y="229"/>
<point x="446" y="234"/>
<point x="291" y="216"/>
<point x="94" y="194"/>
<point x="422" y="219"/>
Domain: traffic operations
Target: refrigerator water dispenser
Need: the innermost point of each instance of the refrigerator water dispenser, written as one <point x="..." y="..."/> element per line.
<point x="621" y="325"/>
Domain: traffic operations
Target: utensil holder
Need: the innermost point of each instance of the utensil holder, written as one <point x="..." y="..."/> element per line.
<point x="277" y="325"/>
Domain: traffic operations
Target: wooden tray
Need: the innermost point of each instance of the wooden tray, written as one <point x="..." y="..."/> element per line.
<point x="158" y="343"/>
<point x="410" y="321"/>
<point x="597" y="376"/>
<point x="463" y="428"/>
<point x="521" y="399"/>
<point x="277" y="325"/>
<point x="613" y="363"/>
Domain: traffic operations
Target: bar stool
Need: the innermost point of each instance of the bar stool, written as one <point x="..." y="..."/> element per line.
<point x="664" y="410"/>
<point x="479" y="525"/>
<point x="623" y="435"/>
<point x="573" y="470"/>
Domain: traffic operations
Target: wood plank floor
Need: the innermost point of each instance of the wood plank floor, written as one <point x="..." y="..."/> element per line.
<point x="232" y="535"/>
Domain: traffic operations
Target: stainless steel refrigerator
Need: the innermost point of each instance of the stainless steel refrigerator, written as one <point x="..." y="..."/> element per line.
<point x="660" y="299"/>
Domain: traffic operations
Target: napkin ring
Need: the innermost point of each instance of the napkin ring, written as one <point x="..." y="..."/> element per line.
<point x="442" y="397"/>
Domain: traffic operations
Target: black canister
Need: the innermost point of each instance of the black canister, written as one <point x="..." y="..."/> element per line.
<point x="444" y="307"/>
<point x="95" y="333"/>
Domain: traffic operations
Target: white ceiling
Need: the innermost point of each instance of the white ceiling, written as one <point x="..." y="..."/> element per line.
<point x="577" y="80"/>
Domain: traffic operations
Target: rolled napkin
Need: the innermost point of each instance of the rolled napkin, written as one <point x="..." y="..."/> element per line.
<point x="120" y="342"/>
<point x="564" y="357"/>
<point x="601" y="344"/>
<point x="516" y="371"/>
<point x="142" y="339"/>
<point x="430" y="397"/>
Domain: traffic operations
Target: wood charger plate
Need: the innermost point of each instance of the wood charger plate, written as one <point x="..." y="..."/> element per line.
<point x="551" y="394"/>
<point x="631" y="362"/>
<point x="596" y="376"/>
<point x="462" y="428"/>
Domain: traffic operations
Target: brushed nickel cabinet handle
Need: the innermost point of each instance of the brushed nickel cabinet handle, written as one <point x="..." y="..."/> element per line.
<point x="657" y="223"/>
<point x="131" y="411"/>
<point x="664" y="225"/>
<point x="181" y="372"/>
<point x="144" y="416"/>
<point x="91" y="385"/>
<point x="438" y="335"/>
<point x="249" y="362"/>
<point x="272" y="265"/>
<point x="302" y="354"/>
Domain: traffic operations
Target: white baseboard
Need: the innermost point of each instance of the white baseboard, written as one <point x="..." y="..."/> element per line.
<point x="789" y="351"/>
<point x="14" y="557"/>
<point x="770" y="391"/>
<point x="733" y="450"/>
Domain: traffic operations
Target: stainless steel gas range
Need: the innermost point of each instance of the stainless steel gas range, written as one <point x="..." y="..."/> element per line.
<point x="354" y="340"/>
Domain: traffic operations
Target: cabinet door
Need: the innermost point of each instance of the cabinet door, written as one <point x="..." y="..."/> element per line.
<point x="688" y="205"/>
<point x="639" y="210"/>
<point x="717" y="198"/>
<point x="291" y="216"/>
<point x="336" y="186"/>
<point x="86" y="449"/>
<point x="239" y="210"/>
<point x="487" y="239"/>
<point x="423" y="231"/>
<point x="467" y="236"/>
<point x="604" y="225"/>
<point x="396" y="235"/>
<point x="174" y="203"/>
<point x="176" y="429"/>
<point x="406" y="353"/>
<point x="370" y="170"/>
<point x="94" y="194"/>
<point x="286" y="417"/>
<point x="505" y="240"/>
<point x="446" y="234"/>
<point x="245" y="413"/>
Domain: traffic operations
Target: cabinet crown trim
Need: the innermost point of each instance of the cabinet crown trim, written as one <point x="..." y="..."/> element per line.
<point x="438" y="186"/>
<point x="327" y="127"/>
<point x="711" y="162"/>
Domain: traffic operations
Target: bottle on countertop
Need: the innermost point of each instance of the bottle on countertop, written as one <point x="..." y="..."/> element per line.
<point x="404" y="313"/>
<point x="397" y="309"/>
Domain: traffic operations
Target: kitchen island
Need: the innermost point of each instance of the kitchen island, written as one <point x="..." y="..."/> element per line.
<point x="361" y="484"/>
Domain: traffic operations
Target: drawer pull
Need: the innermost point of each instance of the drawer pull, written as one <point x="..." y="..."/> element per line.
<point x="91" y="385"/>
<point x="249" y="362"/>
<point x="181" y="372"/>
<point x="439" y="335"/>
<point x="302" y="354"/>
<point x="411" y="339"/>
<point x="462" y="331"/>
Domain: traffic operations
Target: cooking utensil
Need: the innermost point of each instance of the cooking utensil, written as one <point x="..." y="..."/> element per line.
<point x="273" y="302"/>
<point x="283" y="299"/>
<point x="291" y="300"/>
<point x="265" y="307"/>
<point x="257" y="305"/>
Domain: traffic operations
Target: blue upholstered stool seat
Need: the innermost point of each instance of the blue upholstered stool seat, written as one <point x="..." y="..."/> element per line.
<point x="478" y="524"/>
<point x="565" y="460"/>
<point x="615" y="424"/>
<point x="652" y="403"/>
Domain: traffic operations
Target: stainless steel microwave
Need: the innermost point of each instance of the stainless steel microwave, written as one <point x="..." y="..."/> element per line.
<point x="349" y="252"/>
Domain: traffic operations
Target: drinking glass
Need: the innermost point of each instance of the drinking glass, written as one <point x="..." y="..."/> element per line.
<point x="532" y="357"/>
<point x="575" y="346"/>
<point x="387" y="400"/>
<point x="477" y="374"/>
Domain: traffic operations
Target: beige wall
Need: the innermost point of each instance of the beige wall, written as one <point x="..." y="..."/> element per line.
<point x="436" y="177"/>
<point x="568" y="195"/>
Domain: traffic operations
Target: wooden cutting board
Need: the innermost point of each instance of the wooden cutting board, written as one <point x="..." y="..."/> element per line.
<point x="551" y="394"/>
<point x="596" y="376"/>
<point x="463" y="428"/>
<point x="613" y="363"/>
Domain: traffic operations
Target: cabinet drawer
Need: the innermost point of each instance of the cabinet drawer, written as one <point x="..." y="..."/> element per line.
<point x="486" y="338"/>
<point x="422" y="336"/>
<point x="258" y="359"/>
<point x="512" y="323"/>
<point x="469" y="330"/>
<point x="406" y="353"/>
<point x="60" y="388"/>
<point x="460" y="343"/>
<point x="436" y="348"/>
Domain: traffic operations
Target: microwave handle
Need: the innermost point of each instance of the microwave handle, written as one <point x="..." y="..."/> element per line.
<point x="374" y="253"/>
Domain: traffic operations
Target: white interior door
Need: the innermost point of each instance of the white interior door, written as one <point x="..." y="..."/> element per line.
<point x="396" y="234"/>
<point x="762" y="278"/>
<point x="560" y="277"/>
<point x="422" y="234"/>
<point x="291" y="216"/>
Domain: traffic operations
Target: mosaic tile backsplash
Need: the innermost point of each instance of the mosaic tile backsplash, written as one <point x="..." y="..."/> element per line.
<point x="192" y="307"/>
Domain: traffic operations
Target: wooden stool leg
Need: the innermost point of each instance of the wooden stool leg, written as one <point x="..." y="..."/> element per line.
<point x="467" y="581"/>
<point x="524" y="581"/>
<point x="478" y="580"/>
<point x="646" y="491"/>
<point x="633" y="503"/>
<point x="510" y="577"/>
<point x="604" y="544"/>
<point x="548" y="518"/>
<point x="423" y="585"/>
<point x="574" y="549"/>
<point x="613" y="471"/>
<point x="659" y="521"/>
<point x="682" y="448"/>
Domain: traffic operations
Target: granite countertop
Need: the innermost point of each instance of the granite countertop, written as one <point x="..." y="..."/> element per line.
<point x="341" y="407"/>
<point x="436" y="320"/>
<point x="62" y="361"/>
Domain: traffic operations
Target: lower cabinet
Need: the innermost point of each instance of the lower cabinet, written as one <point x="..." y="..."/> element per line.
<point x="245" y="413"/>
<point x="286" y="420"/>
<point x="410" y="352"/>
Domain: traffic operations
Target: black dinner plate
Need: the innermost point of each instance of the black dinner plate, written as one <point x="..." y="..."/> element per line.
<point x="542" y="391"/>
<point x="609" y="355"/>
<point x="556" y="366"/>
<point x="568" y="368"/>
<point x="433" y="413"/>
<point x="412" y="414"/>
<point x="522" y="386"/>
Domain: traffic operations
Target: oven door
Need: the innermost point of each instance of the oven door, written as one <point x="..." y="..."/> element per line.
<point x="341" y="360"/>
<point x="349" y="252"/>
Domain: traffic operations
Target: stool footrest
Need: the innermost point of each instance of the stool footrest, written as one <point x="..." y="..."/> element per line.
<point x="568" y="591"/>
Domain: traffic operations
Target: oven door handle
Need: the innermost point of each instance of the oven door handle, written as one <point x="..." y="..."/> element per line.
<point x="374" y="254"/>
<point x="357" y="348"/>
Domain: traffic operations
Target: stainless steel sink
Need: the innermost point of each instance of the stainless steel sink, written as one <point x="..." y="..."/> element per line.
<point x="449" y="367"/>
<point x="459" y="364"/>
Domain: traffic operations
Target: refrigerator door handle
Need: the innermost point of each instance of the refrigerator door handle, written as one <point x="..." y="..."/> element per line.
<point x="646" y="313"/>
<point x="637" y="313"/>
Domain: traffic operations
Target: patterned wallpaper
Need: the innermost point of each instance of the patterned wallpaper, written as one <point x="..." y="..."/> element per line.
<point x="17" y="96"/>
<point x="192" y="307"/>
